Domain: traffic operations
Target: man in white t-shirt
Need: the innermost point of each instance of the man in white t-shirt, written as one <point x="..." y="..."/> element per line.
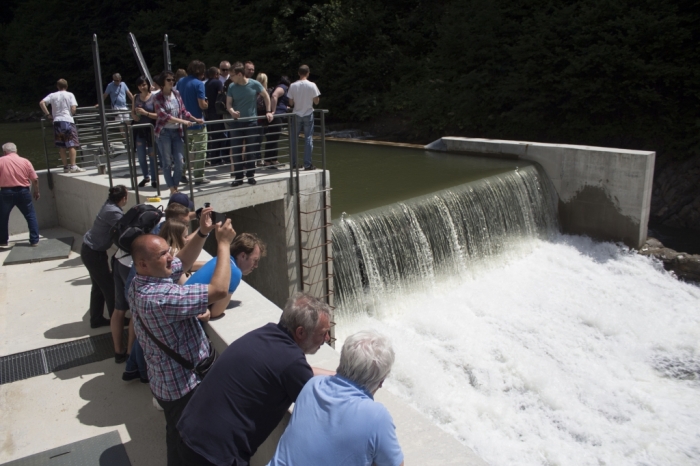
<point x="303" y="95"/>
<point x="63" y="107"/>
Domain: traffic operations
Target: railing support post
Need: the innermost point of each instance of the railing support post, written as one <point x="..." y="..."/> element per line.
<point x="101" y="105"/>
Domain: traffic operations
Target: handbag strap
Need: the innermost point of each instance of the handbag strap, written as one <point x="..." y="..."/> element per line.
<point x="166" y="349"/>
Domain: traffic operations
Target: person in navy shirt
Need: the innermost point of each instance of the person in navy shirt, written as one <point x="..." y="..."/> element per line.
<point x="251" y="386"/>
<point x="336" y="420"/>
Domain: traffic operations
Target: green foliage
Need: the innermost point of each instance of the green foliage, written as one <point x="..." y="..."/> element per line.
<point x="613" y="72"/>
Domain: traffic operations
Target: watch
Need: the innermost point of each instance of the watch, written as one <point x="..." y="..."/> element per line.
<point x="199" y="232"/>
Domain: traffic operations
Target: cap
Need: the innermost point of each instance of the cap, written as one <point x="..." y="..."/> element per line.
<point x="181" y="198"/>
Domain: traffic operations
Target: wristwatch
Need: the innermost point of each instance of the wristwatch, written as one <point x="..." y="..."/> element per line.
<point x="199" y="232"/>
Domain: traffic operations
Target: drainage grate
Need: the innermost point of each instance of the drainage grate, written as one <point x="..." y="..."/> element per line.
<point x="42" y="361"/>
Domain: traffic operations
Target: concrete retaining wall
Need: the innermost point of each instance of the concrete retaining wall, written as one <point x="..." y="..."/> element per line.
<point x="602" y="192"/>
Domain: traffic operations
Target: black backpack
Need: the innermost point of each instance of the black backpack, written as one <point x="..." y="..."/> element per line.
<point x="220" y="103"/>
<point x="140" y="219"/>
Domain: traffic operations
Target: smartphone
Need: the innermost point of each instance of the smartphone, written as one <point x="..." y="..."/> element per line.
<point x="217" y="217"/>
<point x="207" y="204"/>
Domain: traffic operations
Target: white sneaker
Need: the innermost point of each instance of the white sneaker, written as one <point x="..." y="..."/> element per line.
<point x="66" y="168"/>
<point x="157" y="405"/>
<point x="76" y="169"/>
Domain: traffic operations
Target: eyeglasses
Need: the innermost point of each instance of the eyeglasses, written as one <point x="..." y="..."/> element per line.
<point x="170" y="80"/>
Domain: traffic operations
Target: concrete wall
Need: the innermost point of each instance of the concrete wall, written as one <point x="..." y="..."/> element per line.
<point x="602" y="192"/>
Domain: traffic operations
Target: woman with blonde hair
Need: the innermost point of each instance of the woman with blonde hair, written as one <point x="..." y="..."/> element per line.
<point x="174" y="232"/>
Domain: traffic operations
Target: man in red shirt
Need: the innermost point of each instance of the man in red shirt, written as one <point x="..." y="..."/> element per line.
<point x="16" y="174"/>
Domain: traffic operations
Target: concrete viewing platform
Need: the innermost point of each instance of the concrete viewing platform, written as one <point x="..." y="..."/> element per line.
<point x="45" y="303"/>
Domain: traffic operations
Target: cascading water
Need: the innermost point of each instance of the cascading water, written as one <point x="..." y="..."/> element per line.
<point x="531" y="347"/>
<point x="407" y="246"/>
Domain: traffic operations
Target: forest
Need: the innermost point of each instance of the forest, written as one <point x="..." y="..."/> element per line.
<point x="602" y="72"/>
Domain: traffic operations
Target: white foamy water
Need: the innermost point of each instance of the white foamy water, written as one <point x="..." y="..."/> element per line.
<point x="576" y="353"/>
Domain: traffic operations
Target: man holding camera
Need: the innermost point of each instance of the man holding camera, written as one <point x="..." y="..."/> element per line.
<point x="166" y="315"/>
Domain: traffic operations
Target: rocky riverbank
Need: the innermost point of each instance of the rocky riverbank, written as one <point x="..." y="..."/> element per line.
<point x="675" y="200"/>
<point x="685" y="266"/>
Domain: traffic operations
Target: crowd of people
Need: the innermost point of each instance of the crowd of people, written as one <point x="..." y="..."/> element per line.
<point x="231" y="119"/>
<point x="220" y="409"/>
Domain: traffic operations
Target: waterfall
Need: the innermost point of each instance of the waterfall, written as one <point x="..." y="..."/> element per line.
<point x="404" y="247"/>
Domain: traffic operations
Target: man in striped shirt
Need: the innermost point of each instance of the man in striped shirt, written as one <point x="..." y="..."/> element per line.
<point x="171" y="313"/>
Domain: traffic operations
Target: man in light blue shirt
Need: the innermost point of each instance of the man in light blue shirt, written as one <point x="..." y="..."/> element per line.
<point x="118" y="92"/>
<point x="336" y="420"/>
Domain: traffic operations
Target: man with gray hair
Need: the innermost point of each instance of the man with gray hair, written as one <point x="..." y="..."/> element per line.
<point x="16" y="175"/>
<point x="251" y="386"/>
<point x="336" y="420"/>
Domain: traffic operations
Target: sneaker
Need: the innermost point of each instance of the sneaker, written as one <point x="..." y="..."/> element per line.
<point x="76" y="169"/>
<point x="121" y="358"/>
<point x="143" y="182"/>
<point x="258" y="163"/>
<point x="272" y="167"/>
<point x="202" y="181"/>
<point x="235" y="183"/>
<point x="157" y="405"/>
<point x="232" y="175"/>
<point x="154" y="184"/>
<point x="4" y="245"/>
<point x="34" y="245"/>
<point x="252" y="181"/>
<point x="310" y="167"/>
<point x="66" y="168"/>
<point x="183" y="179"/>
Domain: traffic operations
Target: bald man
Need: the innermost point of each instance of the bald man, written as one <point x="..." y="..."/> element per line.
<point x="170" y="313"/>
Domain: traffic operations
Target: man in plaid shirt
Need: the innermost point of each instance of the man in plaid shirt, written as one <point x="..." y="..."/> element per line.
<point x="171" y="313"/>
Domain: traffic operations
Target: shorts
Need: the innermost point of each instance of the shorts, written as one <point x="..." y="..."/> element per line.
<point x="121" y="272"/>
<point x="65" y="134"/>
<point x="123" y="114"/>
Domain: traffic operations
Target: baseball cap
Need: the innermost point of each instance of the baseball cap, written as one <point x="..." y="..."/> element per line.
<point x="181" y="198"/>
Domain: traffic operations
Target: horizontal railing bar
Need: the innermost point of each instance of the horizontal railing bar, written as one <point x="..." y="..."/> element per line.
<point x="316" y="192"/>
<point x="318" y="246"/>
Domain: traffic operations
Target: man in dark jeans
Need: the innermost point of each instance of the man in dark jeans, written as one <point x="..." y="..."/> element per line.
<point x="243" y="92"/>
<point x="16" y="175"/>
<point x="212" y="88"/>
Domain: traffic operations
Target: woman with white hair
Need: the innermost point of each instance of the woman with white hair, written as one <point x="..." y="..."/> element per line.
<point x="336" y="420"/>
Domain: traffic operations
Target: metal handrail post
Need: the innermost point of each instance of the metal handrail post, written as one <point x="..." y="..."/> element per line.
<point x="324" y="193"/>
<point x="101" y="104"/>
<point x="187" y="161"/>
<point x="295" y="180"/>
<point x="129" y="133"/>
<point x="46" y="155"/>
<point x="155" y="158"/>
<point x="167" y="65"/>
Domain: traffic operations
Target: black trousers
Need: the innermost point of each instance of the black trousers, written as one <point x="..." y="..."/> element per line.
<point x="97" y="264"/>
<point x="173" y="410"/>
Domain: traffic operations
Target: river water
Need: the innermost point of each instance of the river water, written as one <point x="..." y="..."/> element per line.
<point x="529" y="346"/>
<point x="575" y="353"/>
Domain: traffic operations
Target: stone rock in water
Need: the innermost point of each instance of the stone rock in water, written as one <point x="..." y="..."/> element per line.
<point x="685" y="266"/>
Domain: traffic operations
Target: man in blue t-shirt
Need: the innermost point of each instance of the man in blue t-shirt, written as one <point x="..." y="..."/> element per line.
<point x="191" y="89"/>
<point x="246" y="251"/>
<point x="336" y="420"/>
<point x="241" y="102"/>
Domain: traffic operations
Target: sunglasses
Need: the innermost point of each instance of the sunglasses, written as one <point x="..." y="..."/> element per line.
<point x="225" y="69"/>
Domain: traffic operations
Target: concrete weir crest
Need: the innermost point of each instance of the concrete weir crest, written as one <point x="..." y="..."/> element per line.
<point x="601" y="192"/>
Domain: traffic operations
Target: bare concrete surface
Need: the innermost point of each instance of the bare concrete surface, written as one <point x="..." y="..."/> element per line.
<point x="44" y="303"/>
<point x="602" y="192"/>
<point x="68" y="406"/>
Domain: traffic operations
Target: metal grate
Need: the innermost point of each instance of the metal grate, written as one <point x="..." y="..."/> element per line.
<point x="42" y="361"/>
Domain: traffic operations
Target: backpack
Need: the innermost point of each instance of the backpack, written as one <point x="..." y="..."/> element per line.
<point x="220" y="103"/>
<point x="140" y="219"/>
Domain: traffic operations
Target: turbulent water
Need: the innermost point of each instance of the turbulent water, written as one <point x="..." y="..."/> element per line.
<point x="546" y="349"/>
